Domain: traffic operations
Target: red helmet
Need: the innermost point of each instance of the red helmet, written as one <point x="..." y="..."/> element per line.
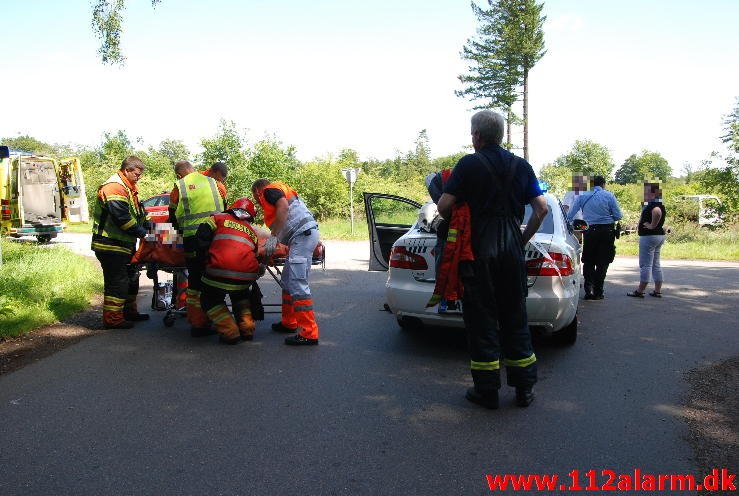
<point x="244" y="204"/>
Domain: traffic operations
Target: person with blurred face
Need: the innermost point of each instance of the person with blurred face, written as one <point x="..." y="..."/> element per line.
<point x="651" y="238"/>
<point x="601" y="211"/>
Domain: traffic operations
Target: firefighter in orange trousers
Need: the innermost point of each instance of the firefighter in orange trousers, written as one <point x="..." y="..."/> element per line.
<point x="118" y="220"/>
<point x="292" y="224"/>
<point x="194" y="198"/>
<point x="227" y="248"/>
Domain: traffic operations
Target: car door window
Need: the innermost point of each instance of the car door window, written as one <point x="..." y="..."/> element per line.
<point x="388" y="218"/>
<point x="547" y="225"/>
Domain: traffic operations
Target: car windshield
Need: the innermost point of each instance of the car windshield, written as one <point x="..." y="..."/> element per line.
<point x="547" y="225"/>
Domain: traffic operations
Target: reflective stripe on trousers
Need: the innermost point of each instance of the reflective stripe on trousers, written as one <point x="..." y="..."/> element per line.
<point x="295" y="283"/>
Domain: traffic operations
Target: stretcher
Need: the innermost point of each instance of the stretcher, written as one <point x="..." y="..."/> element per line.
<point x="166" y="253"/>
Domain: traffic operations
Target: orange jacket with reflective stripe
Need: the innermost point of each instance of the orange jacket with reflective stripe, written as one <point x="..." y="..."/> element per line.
<point x="458" y="248"/>
<point x="270" y="211"/>
<point x="233" y="251"/>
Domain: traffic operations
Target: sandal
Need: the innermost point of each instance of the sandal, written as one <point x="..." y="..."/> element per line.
<point x="635" y="294"/>
<point x="656" y="294"/>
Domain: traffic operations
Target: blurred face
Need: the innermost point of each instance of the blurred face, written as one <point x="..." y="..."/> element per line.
<point x="579" y="183"/>
<point x="133" y="175"/>
<point x="650" y="194"/>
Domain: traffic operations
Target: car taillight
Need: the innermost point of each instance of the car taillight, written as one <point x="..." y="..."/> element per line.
<point x="5" y="209"/>
<point x="401" y="258"/>
<point x="543" y="267"/>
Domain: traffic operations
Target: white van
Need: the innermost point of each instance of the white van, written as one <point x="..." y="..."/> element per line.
<point x="709" y="208"/>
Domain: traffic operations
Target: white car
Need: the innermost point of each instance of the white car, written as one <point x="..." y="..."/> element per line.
<point x="400" y="243"/>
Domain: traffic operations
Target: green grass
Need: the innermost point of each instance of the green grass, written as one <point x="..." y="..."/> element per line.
<point x="711" y="246"/>
<point x="341" y="229"/>
<point x="79" y="228"/>
<point x="40" y="285"/>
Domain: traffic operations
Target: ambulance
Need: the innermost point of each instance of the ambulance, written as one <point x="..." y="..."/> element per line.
<point x="40" y="195"/>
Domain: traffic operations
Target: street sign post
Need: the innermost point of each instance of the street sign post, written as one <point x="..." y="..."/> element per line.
<point x="350" y="175"/>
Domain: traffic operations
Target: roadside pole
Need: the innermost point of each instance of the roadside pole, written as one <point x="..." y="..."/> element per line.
<point x="350" y="175"/>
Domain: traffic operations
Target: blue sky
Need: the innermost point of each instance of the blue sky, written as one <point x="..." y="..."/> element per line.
<point x="327" y="75"/>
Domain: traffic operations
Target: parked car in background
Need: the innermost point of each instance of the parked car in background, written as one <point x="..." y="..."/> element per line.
<point x="400" y="246"/>
<point x="157" y="207"/>
<point x="708" y="209"/>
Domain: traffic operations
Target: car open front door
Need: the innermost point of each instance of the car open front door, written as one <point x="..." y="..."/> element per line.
<point x="388" y="218"/>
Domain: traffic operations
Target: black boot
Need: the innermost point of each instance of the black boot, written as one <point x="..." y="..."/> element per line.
<point x="489" y="401"/>
<point x="224" y="340"/>
<point x="136" y="317"/>
<point x="278" y="327"/>
<point x="123" y="325"/>
<point x="299" y="340"/>
<point x="201" y="332"/>
<point x="524" y="396"/>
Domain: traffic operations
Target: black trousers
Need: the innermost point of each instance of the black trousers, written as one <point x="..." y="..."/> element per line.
<point x="213" y="297"/>
<point x="194" y="267"/>
<point x="120" y="279"/>
<point x="598" y="252"/>
<point x="496" y="322"/>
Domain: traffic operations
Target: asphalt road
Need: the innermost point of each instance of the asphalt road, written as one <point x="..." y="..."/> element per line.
<point x="372" y="409"/>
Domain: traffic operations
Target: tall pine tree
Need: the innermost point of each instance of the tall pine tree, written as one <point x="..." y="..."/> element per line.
<point x="509" y="42"/>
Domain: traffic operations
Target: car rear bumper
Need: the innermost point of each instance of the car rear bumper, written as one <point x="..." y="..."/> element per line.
<point x="550" y="306"/>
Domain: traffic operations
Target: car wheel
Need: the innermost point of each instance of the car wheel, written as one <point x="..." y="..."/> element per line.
<point x="568" y="334"/>
<point x="410" y="323"/>
<point x="44" y="238"/>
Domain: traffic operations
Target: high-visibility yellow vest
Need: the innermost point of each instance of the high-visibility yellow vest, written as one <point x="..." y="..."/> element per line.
<point x="199" y="199"/>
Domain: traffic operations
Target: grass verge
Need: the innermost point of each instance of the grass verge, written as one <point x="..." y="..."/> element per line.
<point x="79" y="228"/>
<point x="40" y="285"/>
<point x="341" y="229"/>
<point x="710" y="246"/>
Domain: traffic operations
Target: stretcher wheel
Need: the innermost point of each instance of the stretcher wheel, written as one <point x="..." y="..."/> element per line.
<point x="169" y="319"/>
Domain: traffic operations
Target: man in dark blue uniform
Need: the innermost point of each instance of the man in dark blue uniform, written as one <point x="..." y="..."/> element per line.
<point x="496" y="185"/>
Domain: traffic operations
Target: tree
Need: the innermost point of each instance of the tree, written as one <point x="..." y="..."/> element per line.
<point x="510" y="42"/>
<point x="494" y="74"/>
<point x="647" y="165"/>
<point x="557" y="177"/>
<point x="588" y="157"/>
<point x="107" y="22"/>
<point x="30" y="144"/>
<point x="724" y="180"/>
<point x="174" y="150"/>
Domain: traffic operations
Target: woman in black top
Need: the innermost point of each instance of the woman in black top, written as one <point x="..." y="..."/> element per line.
<point x="651" y="239"/>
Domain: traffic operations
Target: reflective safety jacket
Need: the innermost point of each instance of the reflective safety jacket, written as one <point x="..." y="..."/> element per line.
<point x="199" y="199"/>
<point x="228" y="248"/>
<point x="117" y="217"/>
<point x="458" y="248"/>
<point x="299" y="218"/>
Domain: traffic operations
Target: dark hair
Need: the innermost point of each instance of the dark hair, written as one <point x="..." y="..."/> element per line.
<point x="132" y="162"/>
<point x="599" y="181"/>
<point x="220" y="168"/>
<point x="259" y="184"/>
